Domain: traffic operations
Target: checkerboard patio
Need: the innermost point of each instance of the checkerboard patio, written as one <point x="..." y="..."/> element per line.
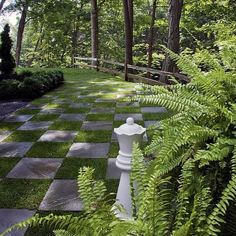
<point x="43" y="145"/>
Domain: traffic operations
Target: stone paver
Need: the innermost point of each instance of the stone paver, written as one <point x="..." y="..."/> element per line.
<point x="148" y="123"/>
<point x="89" y="150"/>
<point x="35" y="125"/>
<point x="14" y="149"/>
<point x="72" y="117"/>
<point x="21" y="118"/>
<point x="4" y="135"/>
<point x="127" y="104"/>
<point x="52" y="111"/>
<point x="113" y="172"/>
<point x="136" y="116"/>
<point x="96" y="125"/>
<point x="9" y="217"/>
<point x="35" y="168"/>
<point x="153" y="109"/>
<point x="80" y="105"/>
<point x="58" y="136"/>
<point x="62" y="195"/>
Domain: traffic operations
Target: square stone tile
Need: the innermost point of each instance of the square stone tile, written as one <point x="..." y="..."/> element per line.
<point x="148" y="123"/>
<point x="20" y="118"/>
<point x="9" y="217"/>
<point x="4" y="135"/>
<point x="62" y="195"/>
<point x="35" y="125"/>
<point x="113" y="172"/>
<point x="52" y="111"/>
<point x="34" y="107"/>
<point x="35" y="168"/>
<point x="97" y="125"/>
<point x="14" y="149"/>
<point x="89" y="150"/>
<point x="58" y="136"/>
<point x="72" y="117"/>
<point x="105" y="100"/>
<point x="80" y="105"/>
<point x="102" y="110"/>
<point x="136" y="116"/>
<point x="153" y="109"/>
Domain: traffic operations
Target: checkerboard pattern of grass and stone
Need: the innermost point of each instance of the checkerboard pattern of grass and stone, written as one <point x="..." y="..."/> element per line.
<point x="43" y="145"/>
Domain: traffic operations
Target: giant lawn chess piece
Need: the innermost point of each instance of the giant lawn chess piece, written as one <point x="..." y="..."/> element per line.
<point x="127" y="135"/>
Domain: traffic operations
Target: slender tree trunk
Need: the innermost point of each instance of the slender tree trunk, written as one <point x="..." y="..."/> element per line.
<point x="151" y="36"/>
<point x="1" y="4"/>
<point x="20" y="33"/>
<point x="94" y="30"/>
<point x="128" y="17"/>
<point x="74" y="43"/>
<point x="175" y="10"/>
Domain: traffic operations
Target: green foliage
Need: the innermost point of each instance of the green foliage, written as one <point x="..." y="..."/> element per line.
<point x="30" y="85"/>
<point x="188" y="186"/>
<point x="7" y="64"/>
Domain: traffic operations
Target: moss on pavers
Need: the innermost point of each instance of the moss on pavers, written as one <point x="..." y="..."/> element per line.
<point x="27" y="111"/>
<point x="9" y="125"/>
<point x="22" y="193"/>
<point x="49" y="149"/>
<point x="6" y="165"/>
<point x="24" y="136"/>
<point x="66" y="125"/>
<point x="128" y="110"/>
<point x="99" y="136"/>
<point x="70" y="167"/>
<point x="44" y="117"/>
<point x="100" y="117"/>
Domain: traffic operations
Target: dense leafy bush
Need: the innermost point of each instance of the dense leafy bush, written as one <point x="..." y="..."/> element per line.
<point x="7" y="64"/>
<point x="30" y="85"/>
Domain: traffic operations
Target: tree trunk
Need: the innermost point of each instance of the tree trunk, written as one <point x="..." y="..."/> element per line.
<point x="20" y="33"/>
<point x="151" y="36"/>
<point x="175" y="10"/>
<point x="128" y="17"/>
<point x="94" y="30"/>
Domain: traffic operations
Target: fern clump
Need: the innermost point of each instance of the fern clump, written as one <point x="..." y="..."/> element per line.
<point x="189" y="185"/>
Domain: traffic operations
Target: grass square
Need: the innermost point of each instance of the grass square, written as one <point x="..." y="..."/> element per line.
<point x="24" y="136"/>
<point x="100" y="117"/>
<point x="128" y="110"/>
<point x="22" y="193"/>
<point x="66" y="125"/>
<point x="6" y="165"/>
<point x="49" y="149"/>
<point x="56" y="105"/>
<point x="41" y="101"/>
<point x="70" y="167"/>
<point x="84" y="100"/>
<point x="99" y="136"/>
<point x="77" y="110"/>
<point x="104" y="104"/>
<point x="114" y="150"/>
<point x="157" y="116"/>
<point x="27" y="111"/>
<point x="9" y="125"/>
<point x="45" y="117"/>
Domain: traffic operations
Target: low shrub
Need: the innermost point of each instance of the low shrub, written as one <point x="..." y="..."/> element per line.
<point x="30" y="85"/>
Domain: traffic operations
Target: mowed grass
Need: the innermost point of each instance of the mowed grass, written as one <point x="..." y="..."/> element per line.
<point x="24" y="136"/>
<point x="6" y="164"/>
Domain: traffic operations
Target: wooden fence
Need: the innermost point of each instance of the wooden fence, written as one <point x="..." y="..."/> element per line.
<point x="117" y="68"/>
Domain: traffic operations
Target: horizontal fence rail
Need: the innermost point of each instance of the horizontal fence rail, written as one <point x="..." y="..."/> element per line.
<point x="101" y="65"/>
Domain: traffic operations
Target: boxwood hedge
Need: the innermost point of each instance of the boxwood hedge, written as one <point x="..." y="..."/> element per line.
<point x="30" y="84"/>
